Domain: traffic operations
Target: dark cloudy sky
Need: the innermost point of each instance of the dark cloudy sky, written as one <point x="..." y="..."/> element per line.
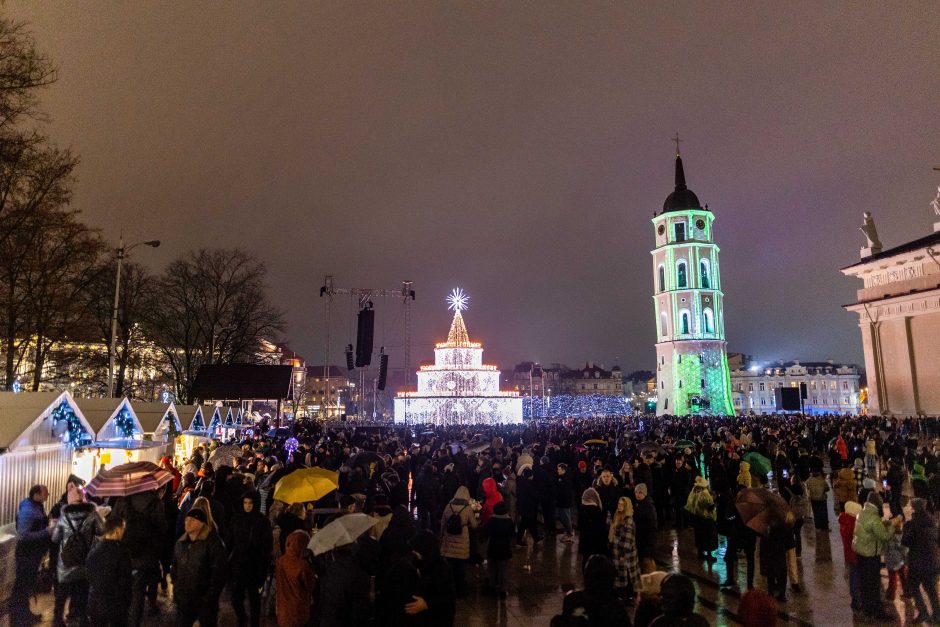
<point x="517" y="150"/>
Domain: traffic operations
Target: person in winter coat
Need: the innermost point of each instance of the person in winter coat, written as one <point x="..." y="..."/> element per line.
<point x="527" y="504"/>
<point x="500" y="531"/>
<point x="678" y="598"/>
<point x="343" y="589"/>
<point x="920" y="536"/>
<point x="700" y="506"/>
<point x="295" y="582"/>
<point x="592" y="527"/>
<point x="430" y="489"/>
<point x="680" y="485"/>
<point x="75" y="533"/>
<point x="871" y="535"/>
<point x="644" y="517"/>
<point x="744" y="475"/>
<point x="435" y="603"/>
<point x="816" y="489"/>
<point x="564" y="500"/>
<point x="455" y="547"/>
<point x="33" y="538"/>
<point x="847" y="521"/>
<point x="109" y="577"/>
<point x="773" y="556"/>
<point x="794" y="493"/>
<point x="508" y="490"/>
<point x="609" y="490"/>
<point x="597" y="601"/>
<point x="844" y="488"/>
<point x="250" y="543"/>
<point x="491" y="497"/>
<point x="622" y="538"/>
<point x="145" y="520"/>
<point x="757" y="609"/>
<point x="199" y="571"/>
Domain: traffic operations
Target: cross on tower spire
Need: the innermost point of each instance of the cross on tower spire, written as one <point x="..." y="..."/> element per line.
<point x="678" y="141"/>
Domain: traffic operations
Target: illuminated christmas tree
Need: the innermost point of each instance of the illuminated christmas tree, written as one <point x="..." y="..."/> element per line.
<point x="459" y="388"/>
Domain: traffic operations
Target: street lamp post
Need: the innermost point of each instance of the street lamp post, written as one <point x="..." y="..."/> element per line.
<point x="122" y="252"/>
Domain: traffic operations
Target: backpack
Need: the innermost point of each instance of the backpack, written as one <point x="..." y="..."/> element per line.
<point x="454" y="524"/>
<point x="75" y="550"/>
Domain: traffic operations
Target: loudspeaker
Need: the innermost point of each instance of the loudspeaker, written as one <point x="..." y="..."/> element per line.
<point x="803" y="391"/>
<point x="349" y="358"/>
<point x="383" y="370"/>
<point x="788" y="399"/>
<point x="364" y="333"/>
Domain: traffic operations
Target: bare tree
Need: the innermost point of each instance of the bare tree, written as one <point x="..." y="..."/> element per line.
<point x="34" y="188"/>
<point x="23" y="69"/>
<point x="56" y="282"/>
<point x="212" y="308"/>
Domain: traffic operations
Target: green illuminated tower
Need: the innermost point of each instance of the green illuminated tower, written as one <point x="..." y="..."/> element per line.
<point x="691" y="353"/>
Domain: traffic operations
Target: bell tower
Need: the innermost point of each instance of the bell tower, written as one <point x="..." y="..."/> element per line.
<point x="691" y="353"/>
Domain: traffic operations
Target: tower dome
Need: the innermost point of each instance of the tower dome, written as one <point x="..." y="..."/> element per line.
<point x="682" y="197"/>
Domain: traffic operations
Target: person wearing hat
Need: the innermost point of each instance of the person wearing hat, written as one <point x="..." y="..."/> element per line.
<point x="869" y="540"/>
<point x="847" y="521"/>
<point x="199" y="571"/>
<point x="920" y="536"/>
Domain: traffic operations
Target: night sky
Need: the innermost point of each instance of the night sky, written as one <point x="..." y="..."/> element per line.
<point x="517" y="150"/>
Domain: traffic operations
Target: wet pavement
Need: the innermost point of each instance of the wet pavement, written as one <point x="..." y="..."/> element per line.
<point x="538" y="575"/>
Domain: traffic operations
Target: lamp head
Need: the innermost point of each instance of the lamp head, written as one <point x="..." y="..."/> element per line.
<point x="154" y="243"/>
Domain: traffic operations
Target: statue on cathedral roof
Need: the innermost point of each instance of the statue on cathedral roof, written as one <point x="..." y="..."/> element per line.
<point x="871" y="233"/>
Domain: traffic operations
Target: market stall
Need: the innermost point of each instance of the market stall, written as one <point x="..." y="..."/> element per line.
<point x="194" y="435"/>
<point x="39" y="431"/>
<point x="119" y="437"/>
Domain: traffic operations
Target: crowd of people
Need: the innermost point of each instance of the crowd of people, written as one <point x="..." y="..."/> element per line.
<point x="447" y="499"/>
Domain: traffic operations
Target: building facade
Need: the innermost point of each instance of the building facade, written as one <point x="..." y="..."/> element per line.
<point x="830" y="388"/>
<point x="331" y="391"/>
<point x="898" y="309"/>
<point x="593" y="379"/>
<point x="691" y="353"/>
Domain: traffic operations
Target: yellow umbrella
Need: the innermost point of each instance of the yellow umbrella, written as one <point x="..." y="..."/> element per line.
<point x="306" y="485"/>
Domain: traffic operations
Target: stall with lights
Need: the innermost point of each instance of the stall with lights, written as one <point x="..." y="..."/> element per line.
<point x="39" y="432"/>
<point x="194" y="435"/>
<point x="119" y="437"/>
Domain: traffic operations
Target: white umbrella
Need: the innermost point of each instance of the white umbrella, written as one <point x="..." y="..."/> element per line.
<point x="344" y="530"/>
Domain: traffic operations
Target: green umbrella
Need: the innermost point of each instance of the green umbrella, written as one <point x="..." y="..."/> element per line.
<point x="760" y="465"/>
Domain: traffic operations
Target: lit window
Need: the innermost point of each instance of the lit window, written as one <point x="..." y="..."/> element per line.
<point x="705" y="274"/>
<point x="708" y="321"/>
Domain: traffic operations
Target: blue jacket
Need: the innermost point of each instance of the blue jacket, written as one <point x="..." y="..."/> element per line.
<point x="32" y="527"/>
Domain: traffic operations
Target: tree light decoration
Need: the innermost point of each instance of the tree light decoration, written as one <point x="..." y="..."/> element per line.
<point x="459" y="388"/>
<point x="458" y="300"/>
<point x="124" y="423"/>
<point x="75" y="434"/>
